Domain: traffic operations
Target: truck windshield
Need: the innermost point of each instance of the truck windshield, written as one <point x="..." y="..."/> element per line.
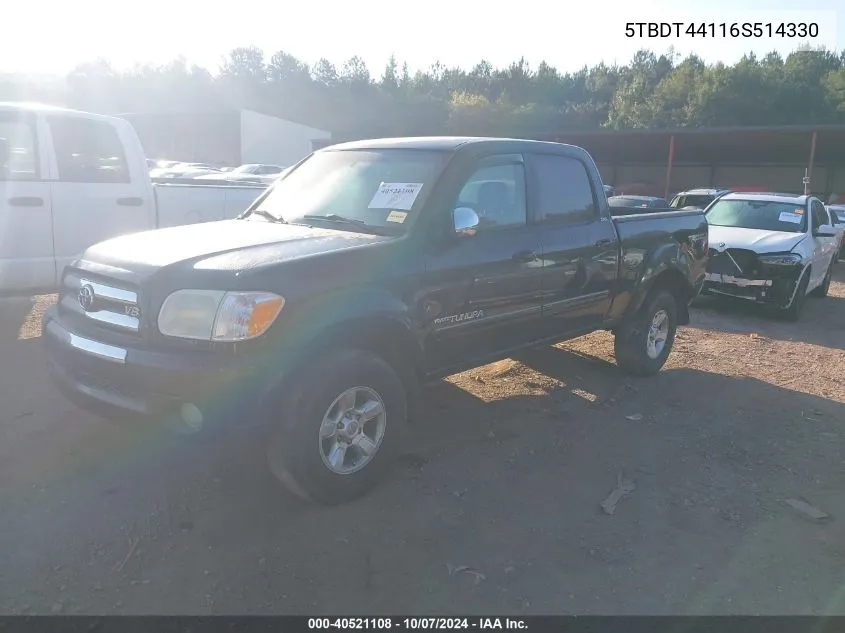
<point x="759" y="214"/>
<point x="381" y="189"/>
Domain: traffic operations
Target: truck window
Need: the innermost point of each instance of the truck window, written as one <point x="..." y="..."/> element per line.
<point x="88" y="151"/>
<point x="564" y="192"/>
<point x="497" y="194"/>
<point x="18" y="150"/>
<point x="820" y="217"/>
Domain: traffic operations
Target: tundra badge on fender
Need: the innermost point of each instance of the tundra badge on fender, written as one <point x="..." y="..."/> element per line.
<point x="457" y="318"/>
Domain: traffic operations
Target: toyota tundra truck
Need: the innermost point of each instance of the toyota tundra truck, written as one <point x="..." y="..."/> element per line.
<point x="368" y="270"/>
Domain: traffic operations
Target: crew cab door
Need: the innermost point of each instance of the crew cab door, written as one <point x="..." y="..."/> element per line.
<point x="579" y="243"/>
<point x="100" y="192"/>
<point x="482" y="291"/>
<point x="824" y="248"/>
<point x="26" y="222"/>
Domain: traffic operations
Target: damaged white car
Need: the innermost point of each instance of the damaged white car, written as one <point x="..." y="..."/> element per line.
<point x="770" y="248"/>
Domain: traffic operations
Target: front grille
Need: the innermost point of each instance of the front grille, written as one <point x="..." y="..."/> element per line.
<point x="738" y="262"/>
<point x="98" y="302"/>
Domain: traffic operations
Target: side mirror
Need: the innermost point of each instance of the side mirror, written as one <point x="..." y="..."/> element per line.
<point x="465" y="221"/>
<point x="824" y="231"/>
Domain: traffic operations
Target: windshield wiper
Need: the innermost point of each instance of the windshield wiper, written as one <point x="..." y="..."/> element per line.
<point x="268" y="215"/>
<point x="334" y="217"/>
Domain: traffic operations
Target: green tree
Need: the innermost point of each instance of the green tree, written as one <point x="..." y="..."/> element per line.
<point x="325" y="73"/>
<point x="651" y="91"/>
<point x="390" y="78"/>
<point x="245" y="62"/>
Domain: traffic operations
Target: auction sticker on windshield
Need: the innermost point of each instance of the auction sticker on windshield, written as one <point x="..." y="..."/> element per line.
<point x="786" y="216"/>
<point x="397" y="216"/>
<point x="396" y="195"/>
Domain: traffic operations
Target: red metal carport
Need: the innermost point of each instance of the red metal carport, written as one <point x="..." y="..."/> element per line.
<point x="733" y="153"/>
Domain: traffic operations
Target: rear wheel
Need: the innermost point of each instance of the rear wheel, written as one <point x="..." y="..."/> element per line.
<point x="339" y="427"/>
<point x="644" y="342"/>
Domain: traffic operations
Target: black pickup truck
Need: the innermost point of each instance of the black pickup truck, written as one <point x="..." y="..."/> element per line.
<point x="368" y="270"/>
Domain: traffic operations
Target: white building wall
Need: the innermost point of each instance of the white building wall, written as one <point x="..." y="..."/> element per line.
<point x="274" y="141"/>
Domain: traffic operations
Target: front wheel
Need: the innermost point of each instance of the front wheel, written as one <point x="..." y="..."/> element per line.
<point x="824" y="288"/>
<point x="645" y="341"/>
<point x="340" y="427"/>
<point x="793" y="311"/>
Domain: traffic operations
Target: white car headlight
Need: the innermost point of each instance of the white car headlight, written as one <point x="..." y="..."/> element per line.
<point x="215" y="315"/>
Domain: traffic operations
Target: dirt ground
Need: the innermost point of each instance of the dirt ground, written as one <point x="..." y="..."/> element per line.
<point x="498" y="511"/>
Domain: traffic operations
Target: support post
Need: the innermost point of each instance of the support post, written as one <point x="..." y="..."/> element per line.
<point x="810" y="167"/>
<point x="828" y="186"/>
<point x="669" y="166"/>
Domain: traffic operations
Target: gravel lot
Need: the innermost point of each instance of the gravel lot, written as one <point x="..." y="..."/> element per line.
<point x="497" y="511"/>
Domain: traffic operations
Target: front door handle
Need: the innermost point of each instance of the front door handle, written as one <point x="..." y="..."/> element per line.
<point x="26" y="201"/>
<point x="130" y="202"/>
<point x="525" y="256"/>
<point x="603" y="243"/>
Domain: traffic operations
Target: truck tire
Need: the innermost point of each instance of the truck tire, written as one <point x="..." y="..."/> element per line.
<point x="645" y="341"/>
<point x="793" y="312"/>
<point x="339" y="428"/>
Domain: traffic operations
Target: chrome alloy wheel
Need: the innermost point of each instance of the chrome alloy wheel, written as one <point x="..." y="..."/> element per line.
<point x="352" y="430"/>
<point x="658" y="332"/>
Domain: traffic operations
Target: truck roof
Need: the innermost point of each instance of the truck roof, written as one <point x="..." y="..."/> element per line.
<point x="25" y="106"/>
<point x="700" y="192"/>
<point x="789" y="198"/>
<point x="441" y="143"/>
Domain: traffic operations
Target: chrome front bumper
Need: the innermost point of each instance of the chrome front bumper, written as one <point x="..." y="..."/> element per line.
<point x="84" y="345"/>
<point x="110" y="379"/>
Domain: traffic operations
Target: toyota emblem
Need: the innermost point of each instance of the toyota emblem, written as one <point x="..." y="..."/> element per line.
<point x="86" y="297"/>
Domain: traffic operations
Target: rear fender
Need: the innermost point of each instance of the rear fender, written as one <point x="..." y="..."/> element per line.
<point x="667" y="268"/>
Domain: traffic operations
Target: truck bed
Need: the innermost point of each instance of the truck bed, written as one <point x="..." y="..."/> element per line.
<point x="626" y="211"/>
<point x="644" y="239"/>
<point x="680" y="225"/>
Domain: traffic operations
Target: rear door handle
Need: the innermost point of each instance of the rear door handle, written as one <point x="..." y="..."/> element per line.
<point x="130" y="202"/>
<point x="603" y="243"/>
<point x="25" y="201"/>
<point x="525" y="256"/>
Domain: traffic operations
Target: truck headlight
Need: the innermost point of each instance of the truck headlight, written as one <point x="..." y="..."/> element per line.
<point x="781" y="259"/>
<point x="213" y="315"/>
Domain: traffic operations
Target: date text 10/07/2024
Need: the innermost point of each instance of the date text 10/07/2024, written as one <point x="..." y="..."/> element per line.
<point x="417" y="624"/>
<point x="786" y="30"/>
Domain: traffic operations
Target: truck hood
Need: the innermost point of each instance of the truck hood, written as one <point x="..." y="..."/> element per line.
<point x="226" y="245"/>
<point x="756" y="240"/>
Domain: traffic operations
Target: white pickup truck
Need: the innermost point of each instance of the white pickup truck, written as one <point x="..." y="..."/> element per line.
<point x="70" y="179"/>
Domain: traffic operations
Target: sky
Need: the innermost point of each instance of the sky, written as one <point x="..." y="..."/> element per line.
<point x="52" y="36"/>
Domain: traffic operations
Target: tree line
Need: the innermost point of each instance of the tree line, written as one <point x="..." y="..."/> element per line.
<point x="652" y="91"/>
